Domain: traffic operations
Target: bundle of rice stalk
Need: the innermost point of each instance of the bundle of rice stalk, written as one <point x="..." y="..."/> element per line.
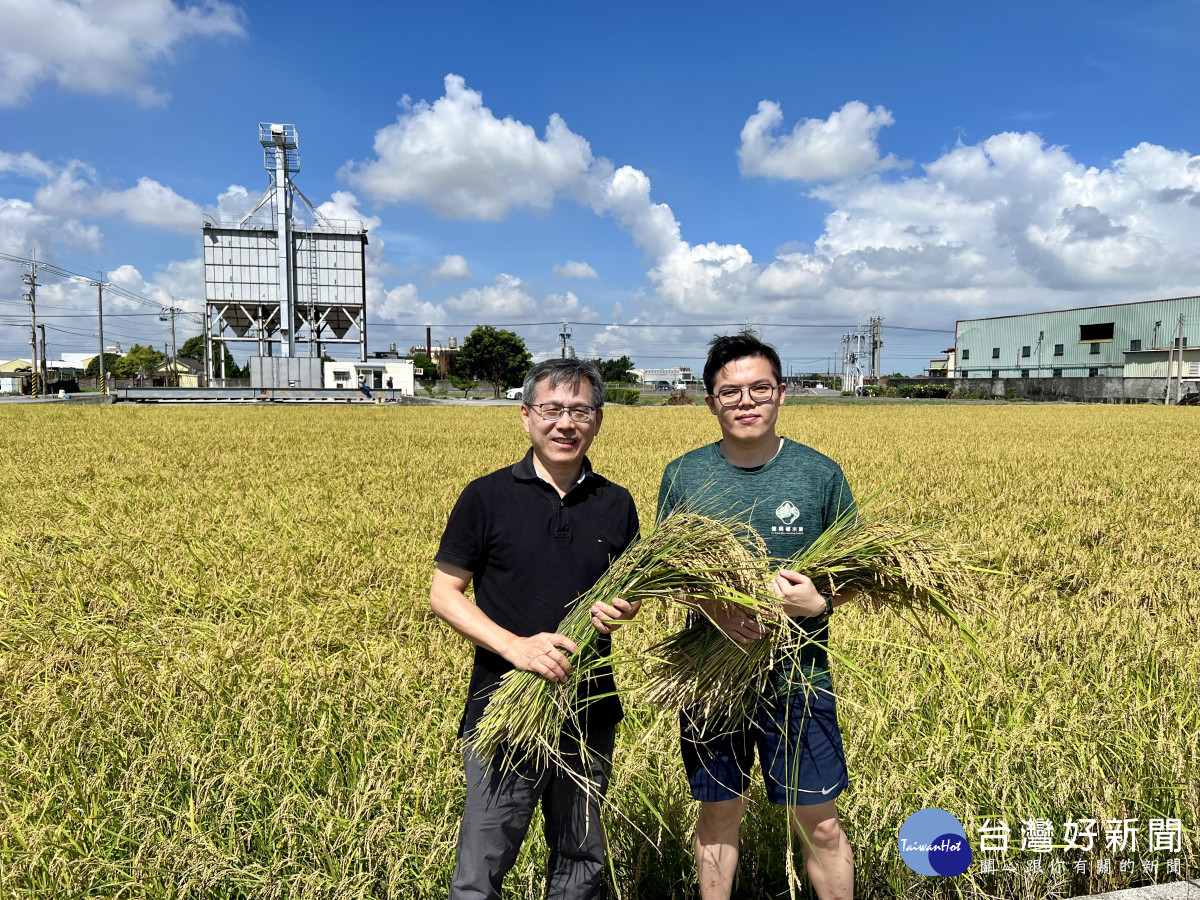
<point x="687" y="558"/>
<point x="892" y="565"/>
<point x="714" y="679"/>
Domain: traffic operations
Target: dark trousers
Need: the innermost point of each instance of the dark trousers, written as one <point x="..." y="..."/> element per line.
<point x="500" y="804"/>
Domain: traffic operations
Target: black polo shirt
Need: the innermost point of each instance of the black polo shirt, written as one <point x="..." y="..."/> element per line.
<point x="531" y="554"/>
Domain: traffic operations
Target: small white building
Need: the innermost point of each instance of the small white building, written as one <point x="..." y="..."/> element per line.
<point x="343" y="374"/>
<point x="670" y="375"/>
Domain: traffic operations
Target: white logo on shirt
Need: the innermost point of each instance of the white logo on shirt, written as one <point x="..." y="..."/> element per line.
<point x="786" y="512"/>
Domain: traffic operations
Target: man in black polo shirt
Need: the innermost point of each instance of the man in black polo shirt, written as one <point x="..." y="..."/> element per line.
<point x="533" y="537"/>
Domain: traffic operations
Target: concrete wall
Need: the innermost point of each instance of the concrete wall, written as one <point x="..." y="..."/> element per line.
<point x="285" y="372"/>
<point x="1082" y="390"/>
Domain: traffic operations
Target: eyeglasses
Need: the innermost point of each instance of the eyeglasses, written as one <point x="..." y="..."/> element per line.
<point x="759" y="393"/>
<point x="552" y="412"/>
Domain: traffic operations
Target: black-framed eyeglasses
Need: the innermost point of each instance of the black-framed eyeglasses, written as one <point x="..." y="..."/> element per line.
<point x="759" y="393"/>
<point x="552" y="412"/>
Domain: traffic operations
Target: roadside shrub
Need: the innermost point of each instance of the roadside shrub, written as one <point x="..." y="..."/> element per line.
<point x="622" y="396"/>
<point x="923" y="391"/>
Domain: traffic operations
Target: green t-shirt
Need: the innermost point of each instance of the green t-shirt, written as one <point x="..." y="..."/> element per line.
<point x="788" y="502"/>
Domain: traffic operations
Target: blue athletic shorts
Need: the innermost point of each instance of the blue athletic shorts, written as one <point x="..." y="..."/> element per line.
<point x="809" y="767"/>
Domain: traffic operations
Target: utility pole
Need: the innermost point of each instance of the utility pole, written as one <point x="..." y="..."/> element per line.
<point x="31" y="296"/>
<point x="207" y="350"/>
<point x="174" y="351"/>
<point x="875" y="366"/>
<point x="100" y="319"/>
<point x="564" y="335"/>
<point x="42" y="329"/>
<point x="1170" y="357"/>
<point x="173" y="368"/>
<point x="1179" y="367"/>
<point x="1041" y="337"/>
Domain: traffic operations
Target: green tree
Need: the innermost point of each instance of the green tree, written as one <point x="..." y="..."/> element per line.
<point x="138" y="359"/>
<point x="495" y="355"/>
<point x="93" y="366"/>
<point x="616" y="371"/>
<point x="193" y="348"/>
<point x="427" y="366"/>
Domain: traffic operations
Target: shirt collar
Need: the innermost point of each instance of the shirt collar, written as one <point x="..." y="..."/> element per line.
<point x="525" y="471"/>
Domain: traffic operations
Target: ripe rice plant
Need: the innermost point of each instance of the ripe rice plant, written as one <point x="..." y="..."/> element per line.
<point x="220" y="678"/>
<point x="888" y="565"/>
<point x="687" y="558"/>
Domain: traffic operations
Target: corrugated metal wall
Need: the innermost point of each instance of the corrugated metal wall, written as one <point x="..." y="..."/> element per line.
<point x="1063" y="343"/>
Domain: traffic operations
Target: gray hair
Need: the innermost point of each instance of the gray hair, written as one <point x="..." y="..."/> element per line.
<point x="557" y="372"/>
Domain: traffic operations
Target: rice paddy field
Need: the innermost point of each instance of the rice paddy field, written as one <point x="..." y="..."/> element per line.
<point x="219" y="675"/>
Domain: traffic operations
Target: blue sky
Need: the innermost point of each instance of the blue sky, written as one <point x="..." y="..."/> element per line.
<point x="800" y="165"/>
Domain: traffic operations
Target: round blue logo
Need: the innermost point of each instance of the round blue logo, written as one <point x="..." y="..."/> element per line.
<point x="933" y="842"/>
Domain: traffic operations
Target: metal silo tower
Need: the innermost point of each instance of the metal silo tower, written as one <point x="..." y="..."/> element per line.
<point x="285" y="275"/>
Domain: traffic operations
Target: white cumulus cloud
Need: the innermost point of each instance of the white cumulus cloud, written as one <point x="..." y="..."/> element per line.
<point x="458" y="159"/>
<point x="1008" y="224"/>
<point x="75" y="189"/>
<point x="566" y="306"/>
<point x="506" y="296"/>
<point x="842" y="146"/>
<point x="397" y="303"/>
<point x="573" y="269"/>
<point x="110" y="47"/>
<point x="451" y="266"/>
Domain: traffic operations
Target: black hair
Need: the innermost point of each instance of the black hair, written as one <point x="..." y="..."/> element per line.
<point x="725" y="348"/>
<point x="557" y="372"/>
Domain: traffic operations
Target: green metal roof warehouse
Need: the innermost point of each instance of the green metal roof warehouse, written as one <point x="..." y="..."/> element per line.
<point x="1124" y="339"/>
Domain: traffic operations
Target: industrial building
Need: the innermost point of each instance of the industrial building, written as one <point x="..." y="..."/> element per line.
<point x="1144" y="344"/>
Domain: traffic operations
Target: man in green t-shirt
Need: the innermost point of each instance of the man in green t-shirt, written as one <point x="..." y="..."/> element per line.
<point x="788" y="493"/>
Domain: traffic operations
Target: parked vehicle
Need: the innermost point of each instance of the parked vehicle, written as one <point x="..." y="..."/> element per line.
<point x="515" y="393"/>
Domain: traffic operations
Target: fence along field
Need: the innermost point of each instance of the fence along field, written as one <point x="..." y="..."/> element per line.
<point x="219" y="676"/>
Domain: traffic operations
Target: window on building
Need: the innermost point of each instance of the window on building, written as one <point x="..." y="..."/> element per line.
<point x="1024" y="373"/>
<point x="1094" y="350"/>
<point x="1175" y="343"/>
<point x="1135" y="346"/>
<point x="966" y="373"/>
<point x="341" y="376"/>
<point x="995" y="353"/>
<point x="1102" y="331"/>
<point x="1092" y="373"/>
<point x="1025" y="351"/>
<point x="1194" y="368"/>
<point x="995" y="373"/>
<point x="1057" y="373"/>
<point x="966" y="355"/>
<point x="1058" y="349"/>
